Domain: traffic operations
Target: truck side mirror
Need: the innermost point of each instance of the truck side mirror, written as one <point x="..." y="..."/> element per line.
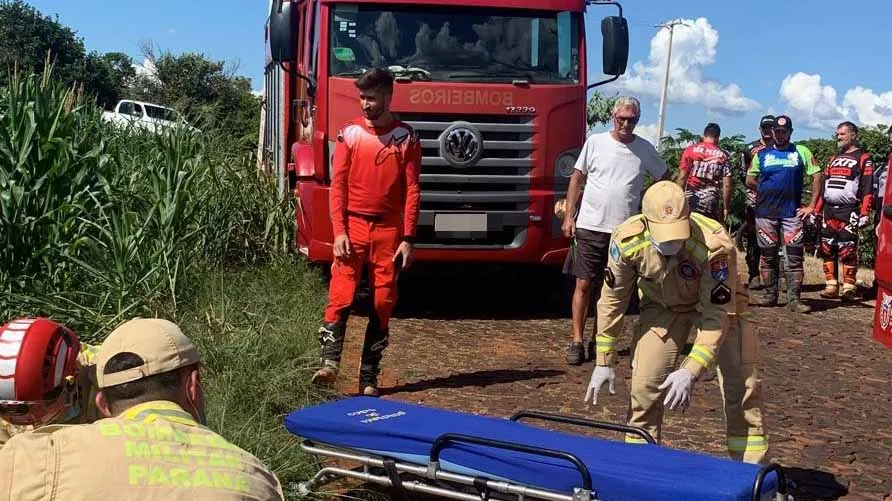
<point x="283" y="31"/>
<point x="615" y="31"/>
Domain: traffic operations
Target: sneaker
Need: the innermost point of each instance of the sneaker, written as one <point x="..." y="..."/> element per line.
<point x="575" y="353"/>
<point x="370" y="390"/>
<point x="797" y="306"/>
<point x="327" y="374"/>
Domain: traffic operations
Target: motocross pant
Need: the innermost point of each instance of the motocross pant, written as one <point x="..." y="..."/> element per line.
<point x="771" y="233"/>
<point x="373" y="243"/>
<point x="839" y="240"/>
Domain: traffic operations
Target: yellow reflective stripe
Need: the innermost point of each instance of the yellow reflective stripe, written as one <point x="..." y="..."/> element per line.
<point x="708" y="223"/>
<point x="604" y="344"/>
<point x="747" y="444"/>
<point x="158" y="408"/>
<point x="635" y="439"/>
<point x="636" y="243"/>
<point x="701" y="355"/>
<point x="150" y="416"/>
<point x="89" y="350"/>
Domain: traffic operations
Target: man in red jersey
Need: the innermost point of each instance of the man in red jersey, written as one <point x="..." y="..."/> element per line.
<point x="704" y="167"/>
<point x="374" y="202"/>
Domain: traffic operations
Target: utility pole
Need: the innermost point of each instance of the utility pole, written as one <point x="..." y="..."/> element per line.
<point x="671" y="27"/>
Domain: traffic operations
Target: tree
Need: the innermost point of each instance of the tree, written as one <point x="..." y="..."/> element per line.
<point x="28" y="38"/>
<point x="108" y="77"/>
<point x="598" y="109"/>
<point x="204" y="91"/>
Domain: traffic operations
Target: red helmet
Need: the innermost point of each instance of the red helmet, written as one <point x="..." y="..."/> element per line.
<point x="38" y="370"/>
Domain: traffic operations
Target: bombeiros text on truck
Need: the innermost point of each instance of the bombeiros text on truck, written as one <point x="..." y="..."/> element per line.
<point x="496" y="90"/>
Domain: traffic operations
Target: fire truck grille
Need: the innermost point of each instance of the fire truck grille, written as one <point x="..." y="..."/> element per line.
<point x="483" y="205"/>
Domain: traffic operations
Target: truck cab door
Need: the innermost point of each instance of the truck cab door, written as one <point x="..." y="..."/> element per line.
<point x="882" y="329"/>
<point x="304" y="108"/>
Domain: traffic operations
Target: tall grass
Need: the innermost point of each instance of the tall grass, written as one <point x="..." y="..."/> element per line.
<point x="98" y="224"/>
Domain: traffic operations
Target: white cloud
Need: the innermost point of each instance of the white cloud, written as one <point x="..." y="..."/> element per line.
<point x="649" y="132"/>
<point x="694" y="47"/>
<point x="172" y="31"/>
<point x="146" y="69"/>
<point x="818" y="105"/>
<point x="258" y="93"/>
<point x="813" y="102"/>
<point x="869" y="107"/>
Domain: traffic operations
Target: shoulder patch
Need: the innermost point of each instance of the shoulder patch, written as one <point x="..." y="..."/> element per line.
<point x="614" y="250"/>
<point x="720" y="294"/>
<point x="718" y="268"/>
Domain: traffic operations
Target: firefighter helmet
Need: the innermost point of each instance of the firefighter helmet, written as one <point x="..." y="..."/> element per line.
<point x="38" y="370"/>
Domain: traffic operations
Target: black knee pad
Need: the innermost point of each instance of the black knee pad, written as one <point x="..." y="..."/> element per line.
<point x="795" y="257"/>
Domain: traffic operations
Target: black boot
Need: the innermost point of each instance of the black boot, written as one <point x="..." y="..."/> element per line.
<point x="794" y="286"/>
<point x="768" y="294"/>
<point x="331" y="338"/>
<point x="376" y="340"/>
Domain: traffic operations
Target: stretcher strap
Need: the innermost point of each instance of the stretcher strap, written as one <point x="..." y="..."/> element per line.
<point x="396" y="482"/>
<point x="482" y="489"/>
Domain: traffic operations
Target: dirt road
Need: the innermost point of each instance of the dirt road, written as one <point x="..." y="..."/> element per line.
<point x="492" y="342"/>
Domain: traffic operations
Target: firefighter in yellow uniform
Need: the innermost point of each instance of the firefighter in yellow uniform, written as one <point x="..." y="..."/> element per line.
<point x="683" y="266"/>
<point x="152" y="445"/>
<point x="36" y="390"/>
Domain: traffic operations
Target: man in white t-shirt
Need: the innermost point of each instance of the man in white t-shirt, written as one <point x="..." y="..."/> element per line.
<point x="611" y="168"/>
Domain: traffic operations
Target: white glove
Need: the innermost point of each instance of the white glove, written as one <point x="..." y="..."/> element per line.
<point x="601" y="374"/>
<point x="862" y="221"/>
<point x="679" y="383"/>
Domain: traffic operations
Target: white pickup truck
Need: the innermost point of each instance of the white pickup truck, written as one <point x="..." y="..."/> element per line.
<point x="152" y="117"/>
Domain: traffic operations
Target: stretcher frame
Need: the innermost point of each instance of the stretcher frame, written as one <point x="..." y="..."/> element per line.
<point x="485" y="489"/>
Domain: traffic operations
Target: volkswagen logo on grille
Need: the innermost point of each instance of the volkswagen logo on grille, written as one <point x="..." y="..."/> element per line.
<point x="461" y="144"/>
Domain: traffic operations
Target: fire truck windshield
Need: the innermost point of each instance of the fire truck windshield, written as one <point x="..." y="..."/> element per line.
<point x="425" y="42"/>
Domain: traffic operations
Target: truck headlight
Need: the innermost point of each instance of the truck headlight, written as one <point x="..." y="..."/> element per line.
<point x="565" y="162"/>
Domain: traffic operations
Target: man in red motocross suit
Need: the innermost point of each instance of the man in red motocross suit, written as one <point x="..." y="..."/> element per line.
<point x="705" y="171"/>
<point x="749" y="225"/>
<point x="374" y="200"/>
<point x="846" y="204"/>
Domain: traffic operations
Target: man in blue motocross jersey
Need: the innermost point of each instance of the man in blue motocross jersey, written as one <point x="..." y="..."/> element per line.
<point x="777" y="173"/>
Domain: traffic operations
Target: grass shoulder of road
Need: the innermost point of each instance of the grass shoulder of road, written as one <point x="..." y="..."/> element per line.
<point x="256" y="330"/>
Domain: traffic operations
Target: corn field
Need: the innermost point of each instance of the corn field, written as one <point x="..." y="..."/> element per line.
<point x="99" y="224"/>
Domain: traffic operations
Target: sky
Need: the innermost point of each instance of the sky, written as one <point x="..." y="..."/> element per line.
<point x="818" y="61"/>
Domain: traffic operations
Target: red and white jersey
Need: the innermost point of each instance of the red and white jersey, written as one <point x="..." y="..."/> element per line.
<point x="848" y="181"/>
<point x="707" y="165"/>
<point x="376" y="173"/>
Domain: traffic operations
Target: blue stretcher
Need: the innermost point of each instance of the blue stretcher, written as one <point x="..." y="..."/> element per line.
<point x="469" y="457"/>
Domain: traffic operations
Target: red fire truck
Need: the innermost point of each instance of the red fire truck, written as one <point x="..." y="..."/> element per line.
<point x="882" y="327"/>
<point x="495" y="88"/>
